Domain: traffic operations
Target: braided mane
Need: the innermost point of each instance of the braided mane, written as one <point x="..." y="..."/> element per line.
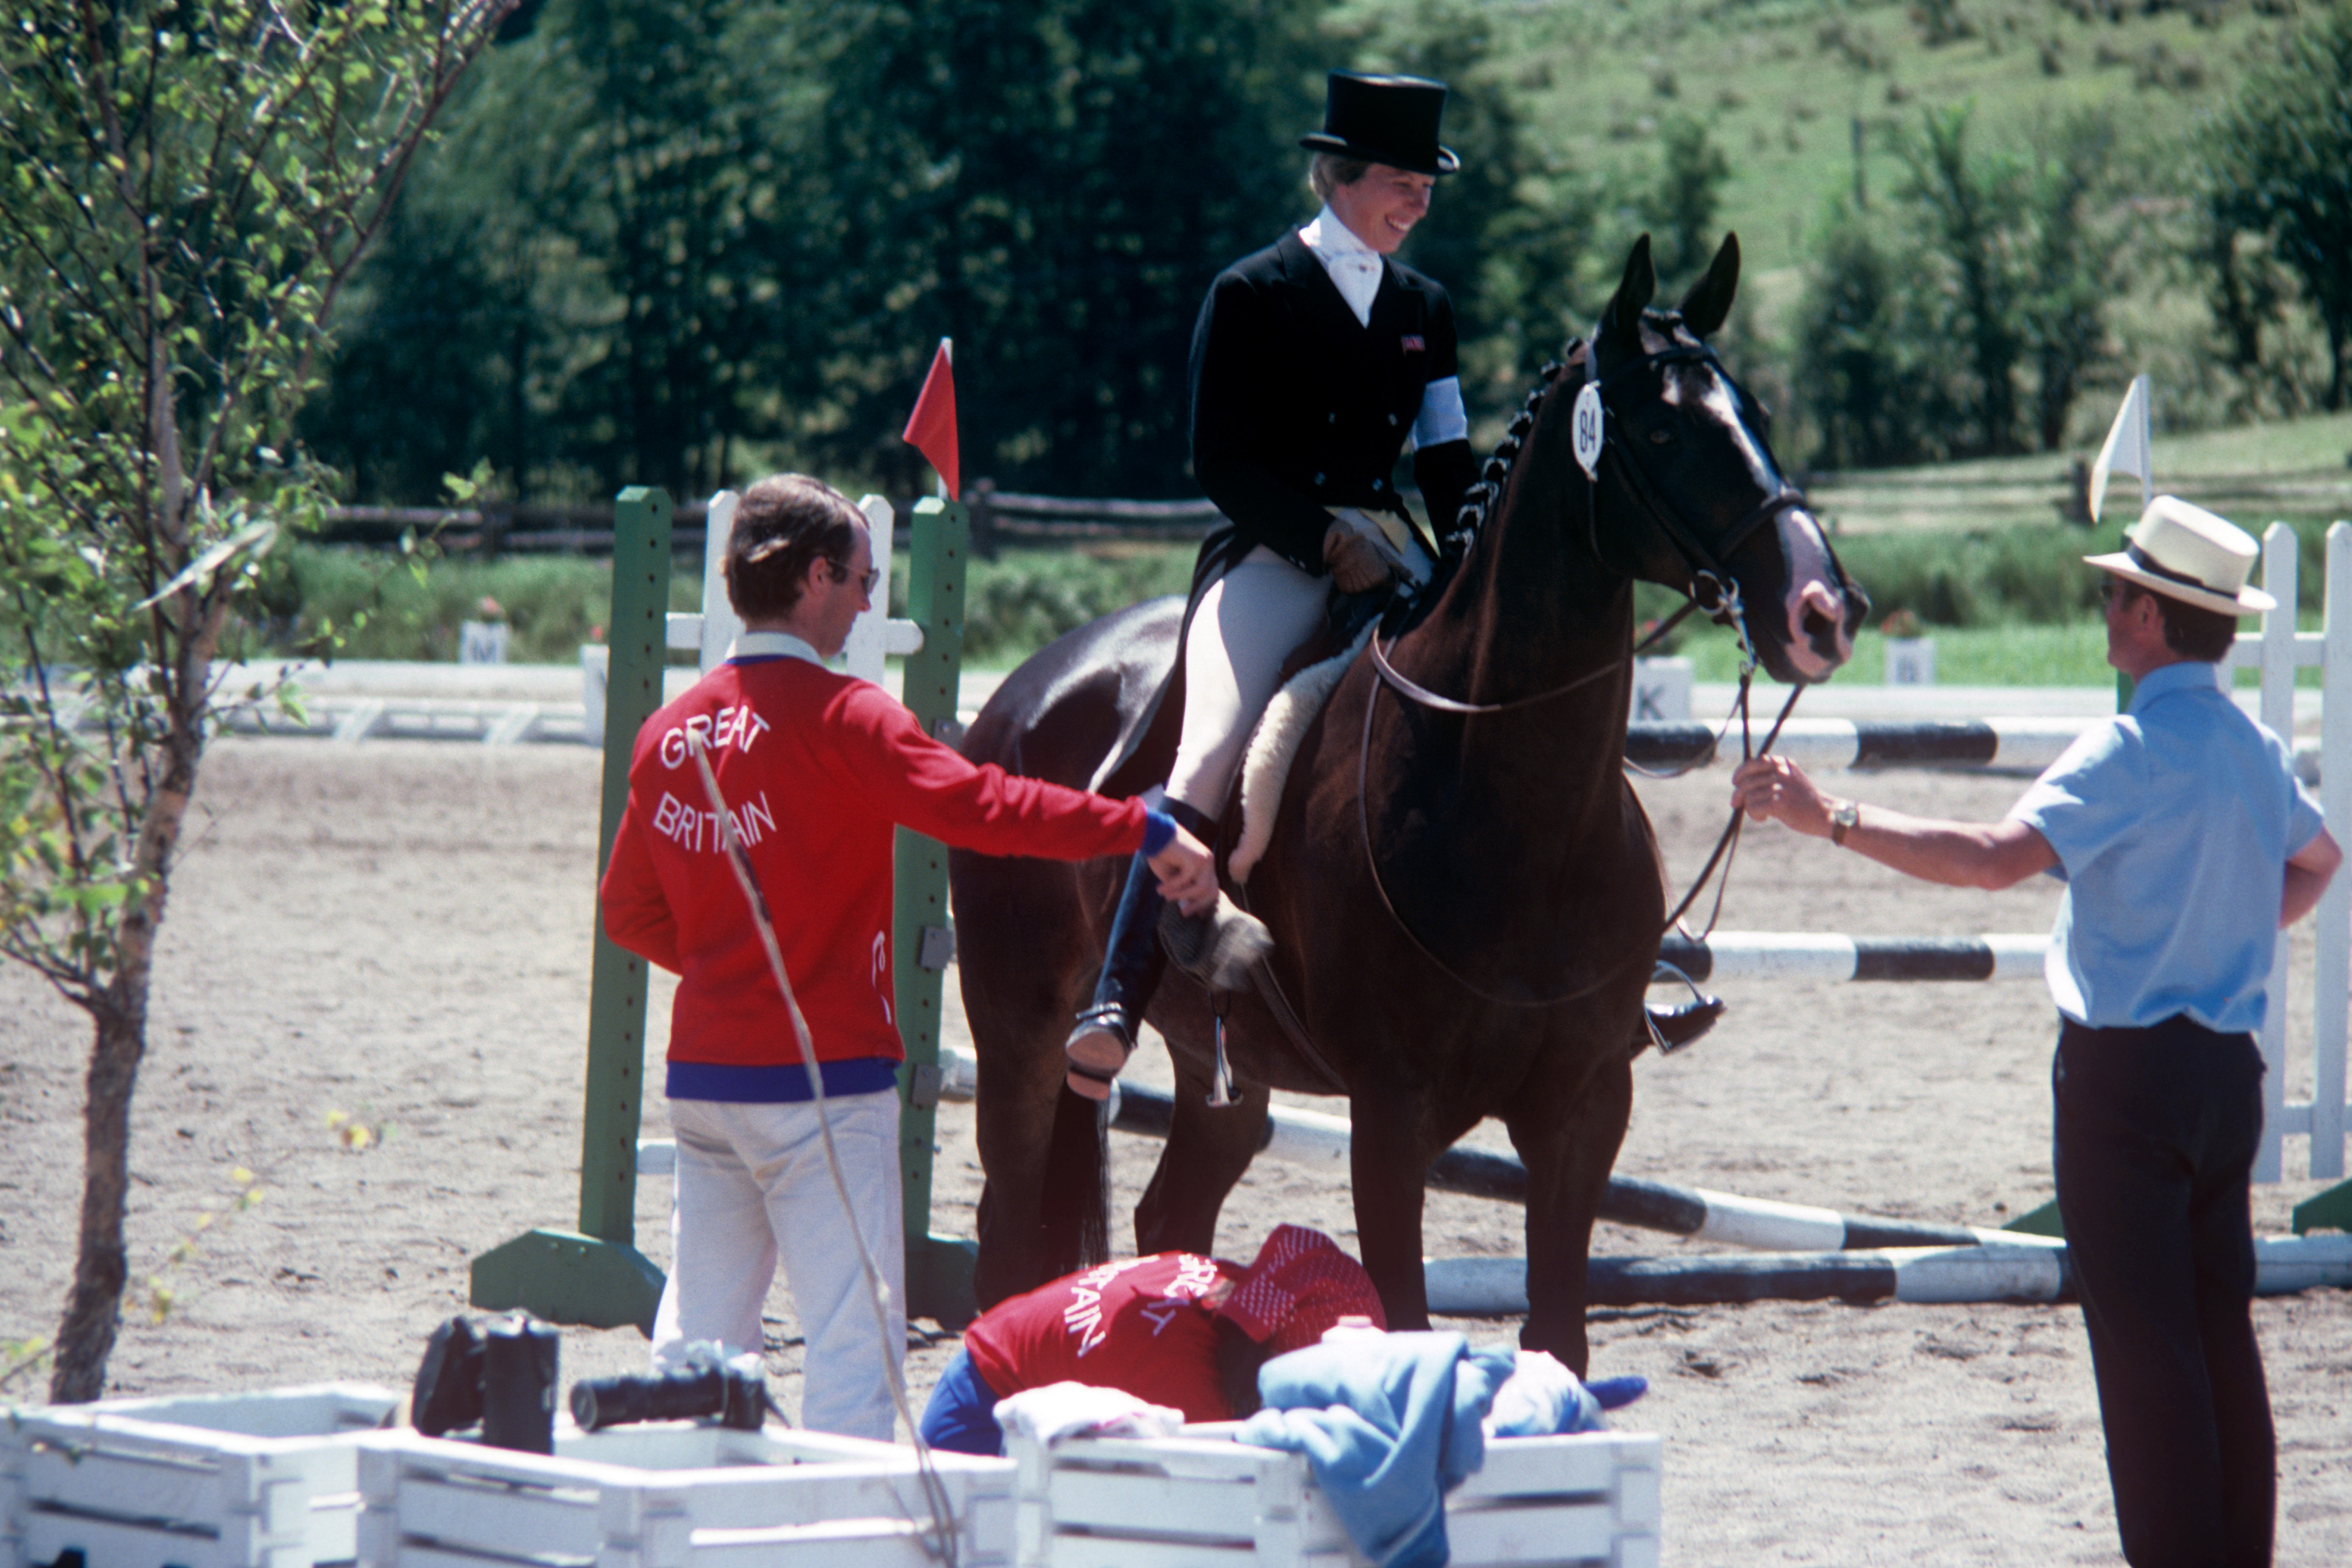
<point x="1479" y="501"/>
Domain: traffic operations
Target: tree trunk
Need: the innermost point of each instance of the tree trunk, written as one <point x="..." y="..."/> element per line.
<point x="101" y="1263"/>
<point x="101" y="1267"/>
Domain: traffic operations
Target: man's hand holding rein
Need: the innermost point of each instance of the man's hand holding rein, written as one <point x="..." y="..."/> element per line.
<point x="1959" y="855"/>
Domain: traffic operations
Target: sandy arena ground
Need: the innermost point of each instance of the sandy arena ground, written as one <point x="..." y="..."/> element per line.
<point x="398" y="932"/>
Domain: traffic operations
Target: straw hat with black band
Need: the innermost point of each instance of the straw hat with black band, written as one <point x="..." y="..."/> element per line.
<point x="2185" y="552"/>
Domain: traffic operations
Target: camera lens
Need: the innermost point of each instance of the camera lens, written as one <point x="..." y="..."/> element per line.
<point x="686" y="1391"/>
<point x="700" y="1388"/>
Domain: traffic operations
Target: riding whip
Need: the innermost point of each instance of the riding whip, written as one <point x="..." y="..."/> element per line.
<point x="738" y="859"/>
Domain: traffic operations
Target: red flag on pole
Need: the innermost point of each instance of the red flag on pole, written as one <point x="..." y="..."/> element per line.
<point x="931" y="428"/>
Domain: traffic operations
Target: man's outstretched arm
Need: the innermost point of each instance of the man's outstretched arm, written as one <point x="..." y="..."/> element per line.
<point x="1958" y="854"/>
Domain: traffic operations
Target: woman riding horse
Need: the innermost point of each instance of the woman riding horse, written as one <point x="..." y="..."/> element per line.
<point x="1463" y="892"/>
<point x="1313" y="362"/>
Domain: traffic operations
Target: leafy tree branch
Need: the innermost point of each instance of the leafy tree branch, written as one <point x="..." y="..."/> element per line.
<point x="190" y="187"/>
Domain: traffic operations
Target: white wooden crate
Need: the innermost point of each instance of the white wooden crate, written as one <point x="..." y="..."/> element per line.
<point x="673" y="1495"/>
<point x="1202" y="1500"/>
<point x="265" y="1479"/>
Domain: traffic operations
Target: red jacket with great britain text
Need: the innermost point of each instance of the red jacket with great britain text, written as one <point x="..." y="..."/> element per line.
<point x="816" y="769"/>
<point x="1147" y="1325"/>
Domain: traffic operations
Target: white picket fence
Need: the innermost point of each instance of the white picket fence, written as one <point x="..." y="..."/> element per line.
<point x="2278" y="650"/>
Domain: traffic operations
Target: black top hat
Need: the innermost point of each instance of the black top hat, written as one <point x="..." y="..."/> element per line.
<point x="1385" y="119"/>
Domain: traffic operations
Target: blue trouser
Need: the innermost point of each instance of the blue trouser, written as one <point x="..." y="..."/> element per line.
<point x="2156" y="1130"/>
<point x="961" y="1415"/>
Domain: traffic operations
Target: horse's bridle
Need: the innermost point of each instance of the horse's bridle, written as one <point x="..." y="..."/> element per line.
<point x="1714" y="592"/>
<point x="1709" y="577"/>
<point x="1721" y="604"/>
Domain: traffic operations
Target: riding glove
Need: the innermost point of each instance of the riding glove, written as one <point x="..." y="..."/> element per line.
<point x="1357" y="564"/>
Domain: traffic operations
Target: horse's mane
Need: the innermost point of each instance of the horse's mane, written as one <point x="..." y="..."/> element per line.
<point x="1479" y="501"/>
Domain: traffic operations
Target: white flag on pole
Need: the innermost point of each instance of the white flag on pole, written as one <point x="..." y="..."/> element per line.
<point x="2127" y="450"/>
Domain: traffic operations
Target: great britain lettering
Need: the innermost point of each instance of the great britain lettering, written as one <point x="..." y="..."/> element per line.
<point x="697" y="830"/>
<point x="740" y="728"/>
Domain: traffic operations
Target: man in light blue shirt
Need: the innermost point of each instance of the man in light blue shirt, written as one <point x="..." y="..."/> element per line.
<point x="2186" y="844"/>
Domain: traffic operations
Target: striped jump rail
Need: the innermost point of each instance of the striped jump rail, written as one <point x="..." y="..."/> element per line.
<point x="1311" y="1138"/>
<point x="1813" y="955"/>
<point x="2022" y="745"/>
<point x="2010" y="1271"/>
<point x="2025" y="745"/>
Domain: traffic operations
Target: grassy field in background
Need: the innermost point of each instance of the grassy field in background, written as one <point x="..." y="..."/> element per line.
<point x="2296" y="471"/>
<point x="1781" y="83"/>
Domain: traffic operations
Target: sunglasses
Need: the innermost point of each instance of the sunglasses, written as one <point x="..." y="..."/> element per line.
<point x="866" y="579"/>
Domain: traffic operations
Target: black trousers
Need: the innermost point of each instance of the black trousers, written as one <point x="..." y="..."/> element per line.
<point x="2156" y="1130"/>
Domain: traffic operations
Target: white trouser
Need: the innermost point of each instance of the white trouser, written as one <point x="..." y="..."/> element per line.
<point x="1242" y="629"/>
<point x="753" y="1185"/>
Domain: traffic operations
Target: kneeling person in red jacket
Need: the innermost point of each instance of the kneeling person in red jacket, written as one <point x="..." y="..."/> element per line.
<point x="1174" y="1329"/>
<point x="816" y="769"/>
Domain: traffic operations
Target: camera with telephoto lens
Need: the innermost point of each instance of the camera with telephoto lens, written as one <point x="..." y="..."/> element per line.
<point x="704" y="1384"/>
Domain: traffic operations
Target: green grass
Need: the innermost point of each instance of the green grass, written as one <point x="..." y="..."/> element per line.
<point x="377" y="608"/>
<point x="1025" y="598"/>
<point x="1780" y="82"/>
<point x="2296" y="470"/>
<point x="2073" y="654"/>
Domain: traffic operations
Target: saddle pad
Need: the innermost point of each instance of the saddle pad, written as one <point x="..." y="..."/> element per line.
<point x="1274" y="744"/>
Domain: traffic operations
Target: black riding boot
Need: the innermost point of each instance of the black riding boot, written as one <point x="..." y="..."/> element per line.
<point x="1132" y="965"/>
<point x="1106" y="1034"/>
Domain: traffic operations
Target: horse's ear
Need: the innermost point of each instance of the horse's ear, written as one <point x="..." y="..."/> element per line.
<point x="1620" y="332"/>
<point x="1709" y="303"/>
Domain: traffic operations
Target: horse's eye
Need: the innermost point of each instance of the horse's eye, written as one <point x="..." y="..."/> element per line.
<point x="1660" y="436"/>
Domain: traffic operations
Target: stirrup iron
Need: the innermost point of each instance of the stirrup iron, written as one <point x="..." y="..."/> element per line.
<point x="1221" y="1077"/>
<point x="1672" y="1029"/>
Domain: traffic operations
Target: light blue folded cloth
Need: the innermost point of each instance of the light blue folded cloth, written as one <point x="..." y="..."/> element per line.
<point x="1543" y="1398"/>
<point x="1391" y="1424"/>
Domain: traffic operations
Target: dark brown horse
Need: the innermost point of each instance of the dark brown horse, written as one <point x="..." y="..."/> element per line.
<point x="1466" y="905"/>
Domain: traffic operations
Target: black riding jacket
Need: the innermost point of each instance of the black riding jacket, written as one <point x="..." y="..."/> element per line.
<point x="1299" y="409"/>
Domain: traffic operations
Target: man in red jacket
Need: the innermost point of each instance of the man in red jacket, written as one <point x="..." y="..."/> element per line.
<point x="816" y="770"/>
<point x="1175" y="1329"/>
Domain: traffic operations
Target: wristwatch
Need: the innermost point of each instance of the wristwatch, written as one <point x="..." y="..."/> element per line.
<point x="1843" y="818"/>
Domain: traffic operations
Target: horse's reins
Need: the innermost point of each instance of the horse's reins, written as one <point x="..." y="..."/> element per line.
<point x="1707" y="574"/>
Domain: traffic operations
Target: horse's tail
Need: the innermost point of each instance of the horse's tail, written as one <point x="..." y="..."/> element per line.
<point x="1075" y="1205"/>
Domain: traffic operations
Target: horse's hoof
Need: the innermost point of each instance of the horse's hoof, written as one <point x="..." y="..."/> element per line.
<point x="1097" y="1049"/>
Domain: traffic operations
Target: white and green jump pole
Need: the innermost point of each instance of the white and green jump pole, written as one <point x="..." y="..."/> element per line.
<point x="595" y="1275"/>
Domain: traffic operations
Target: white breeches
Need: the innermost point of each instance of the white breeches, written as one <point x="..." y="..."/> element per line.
<point x="1242" y="629"/>
<point x="752" y="1186"/>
